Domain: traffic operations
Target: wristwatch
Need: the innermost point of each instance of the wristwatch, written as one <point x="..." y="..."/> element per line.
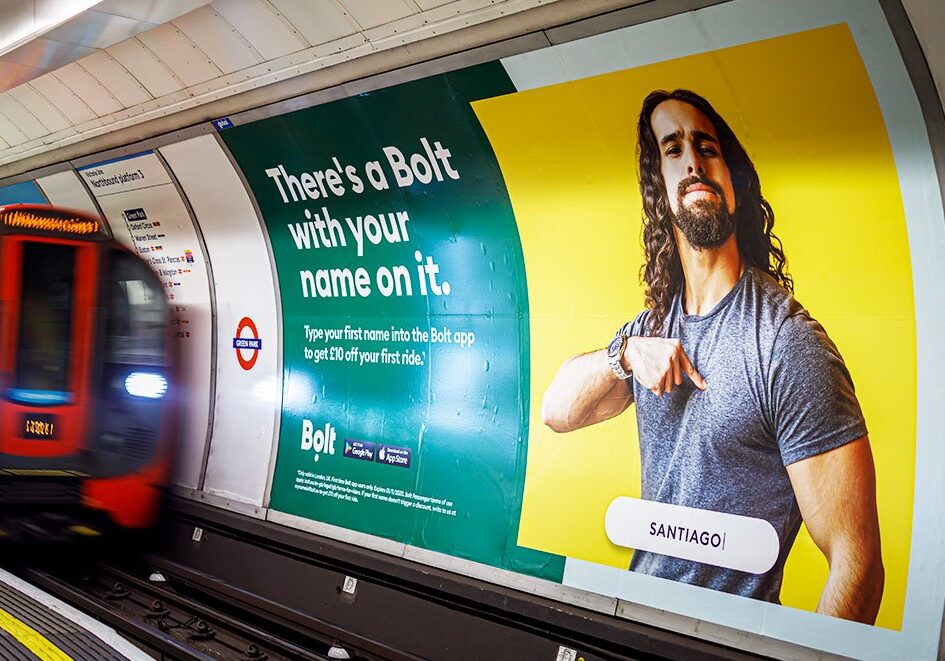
<point x="615" y="354"/>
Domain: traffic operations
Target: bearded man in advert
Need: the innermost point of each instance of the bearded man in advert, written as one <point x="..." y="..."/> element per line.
<point x="744" y="405"/>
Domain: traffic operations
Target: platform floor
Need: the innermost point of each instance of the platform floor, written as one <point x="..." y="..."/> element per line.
<point x="36" y="625"/>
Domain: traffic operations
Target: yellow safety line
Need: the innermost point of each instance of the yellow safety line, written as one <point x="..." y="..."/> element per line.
<point x="31" y="639"/>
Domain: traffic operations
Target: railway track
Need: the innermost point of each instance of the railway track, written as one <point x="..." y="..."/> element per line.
<point x="249" y="590"/>
<point x="173" y="620"/>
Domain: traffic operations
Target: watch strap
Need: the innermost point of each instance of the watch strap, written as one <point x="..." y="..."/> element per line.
<point x="616" y="364"/>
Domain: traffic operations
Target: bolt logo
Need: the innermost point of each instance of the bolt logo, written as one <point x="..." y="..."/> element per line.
<point x="253" y="344"/>
<point x="321" y="441"/>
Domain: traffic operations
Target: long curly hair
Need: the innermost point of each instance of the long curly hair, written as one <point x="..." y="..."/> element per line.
<point x="754" y="218"/>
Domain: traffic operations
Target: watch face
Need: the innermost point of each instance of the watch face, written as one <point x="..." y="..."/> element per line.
<point x="615" y="346"/>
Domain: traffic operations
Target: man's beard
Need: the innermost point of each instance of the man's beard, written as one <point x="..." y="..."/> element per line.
<point x="704" y="223"/>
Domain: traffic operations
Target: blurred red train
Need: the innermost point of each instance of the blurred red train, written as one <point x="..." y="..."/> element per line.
<point x="87" y="413"/>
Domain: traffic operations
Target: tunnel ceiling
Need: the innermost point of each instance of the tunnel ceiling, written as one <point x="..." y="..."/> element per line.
<point x="39" y="36"/>
<point x="122" y="70"/>
<point x="123" y="66"/>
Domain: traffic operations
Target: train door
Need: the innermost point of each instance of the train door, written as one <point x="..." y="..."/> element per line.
<point x="48" y="291"/>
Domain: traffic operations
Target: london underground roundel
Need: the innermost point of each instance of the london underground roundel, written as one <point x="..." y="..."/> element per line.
<point x="247" y="345"/>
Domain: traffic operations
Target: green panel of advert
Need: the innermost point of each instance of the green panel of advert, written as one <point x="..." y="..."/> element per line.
<point x="405" y="312"/>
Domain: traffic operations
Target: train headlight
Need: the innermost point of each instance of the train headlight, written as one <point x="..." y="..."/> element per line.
<point x="146" y="384"/>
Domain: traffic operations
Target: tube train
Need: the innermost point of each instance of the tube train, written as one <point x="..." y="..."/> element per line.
<point x="87" y="413"/>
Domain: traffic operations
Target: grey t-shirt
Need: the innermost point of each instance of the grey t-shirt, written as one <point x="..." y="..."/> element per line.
<point x="778" y="392"/>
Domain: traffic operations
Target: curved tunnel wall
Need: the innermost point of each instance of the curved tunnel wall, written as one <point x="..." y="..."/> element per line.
<point x="247" y="388"/>
<point x="342" y="406"/>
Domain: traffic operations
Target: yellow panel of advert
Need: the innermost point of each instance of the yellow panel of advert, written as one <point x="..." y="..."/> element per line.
<point x="805" y="110"/>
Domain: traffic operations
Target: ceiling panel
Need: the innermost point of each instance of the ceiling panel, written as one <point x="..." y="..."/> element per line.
<point x="24" y="120"/>
<point x="225" y="47"/>
<point x="51" y="12"/>
<point x="455" y="9"/>
<point x="330" y="22"/>
<point x="10" y="133"/>
<point x="257" y="21"/>
<point x="123" y="86"/>
<point x="12" y="74"/>
<point x="369" y="13"/>
<point x="46" y="53"/>
<point x="48" y="34"/>
<point x="438" y="19"/>
<point x="44" y="111"/>
<point x="23" y="20"/>
<point x="431" y="4"/>
<point x="96" y="29"/>
<point x="180" y="54"/>
<point x="352" y="46"/>
<point x="88" y="89"/>
<point x="152" y="11"/>
<point x="63" y="98"/>
<point x="150" y="72"/>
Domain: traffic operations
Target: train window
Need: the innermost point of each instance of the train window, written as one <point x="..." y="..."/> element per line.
<point x="42" y="358"/>
<point x="135" y="330"/>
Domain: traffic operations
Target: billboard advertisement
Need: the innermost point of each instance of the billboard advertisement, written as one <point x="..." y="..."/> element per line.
<point x="642" y="314"/>
<point x="778" y="380"/>
<point x="405" y="318"/>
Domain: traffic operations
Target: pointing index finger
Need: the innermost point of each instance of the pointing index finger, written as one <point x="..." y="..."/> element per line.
<point x="691" y="371"/>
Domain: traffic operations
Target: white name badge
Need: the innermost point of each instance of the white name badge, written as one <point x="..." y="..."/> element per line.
<point x="724" y="540"/>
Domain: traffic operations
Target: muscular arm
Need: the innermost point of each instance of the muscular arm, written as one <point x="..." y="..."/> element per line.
<point x="836" y="492"/>
<point x="584" y="392"/>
